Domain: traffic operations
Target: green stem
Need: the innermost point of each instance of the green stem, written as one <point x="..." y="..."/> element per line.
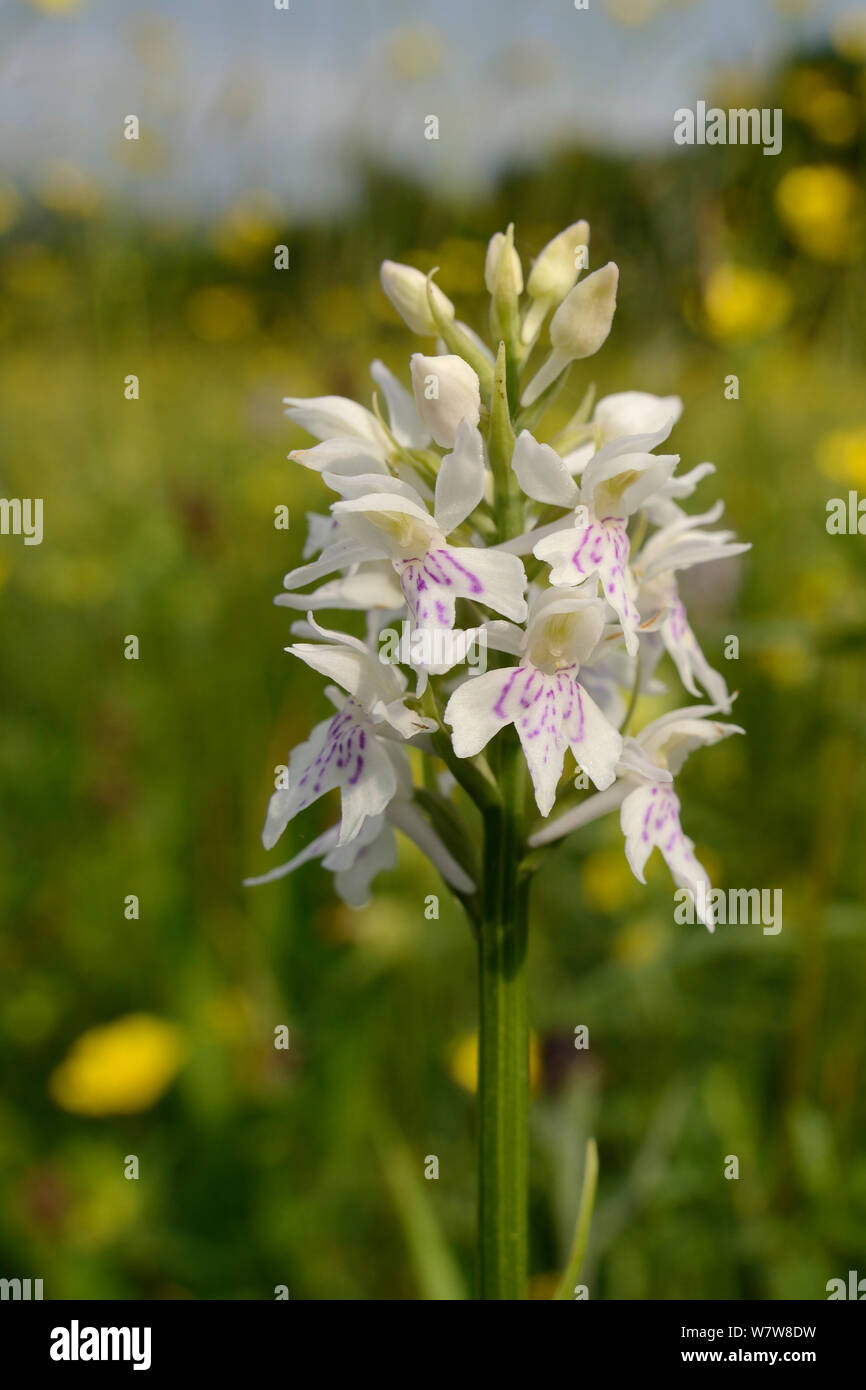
<point x="503" y="1063"/>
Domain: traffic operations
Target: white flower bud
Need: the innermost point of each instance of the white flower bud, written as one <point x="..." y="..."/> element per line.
<point x="446" y="392"/>
<point x="503" y="273"/>
<point x="559" y="264"/>
<point x="554" y="273"/>
<point x="406" y="288"/>
<point x="583" y="319"/>
<point x="579" y="326"/>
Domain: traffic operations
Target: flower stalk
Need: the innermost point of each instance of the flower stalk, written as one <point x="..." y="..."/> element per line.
<point x="503" y="1050"/>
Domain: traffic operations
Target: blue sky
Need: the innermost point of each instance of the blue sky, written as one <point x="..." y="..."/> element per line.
<point x="241" y="96"/>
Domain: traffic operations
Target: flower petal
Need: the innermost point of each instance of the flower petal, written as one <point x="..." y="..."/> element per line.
<point x="461" y="478"/>
<point x="596" y="549"/>
<point x="474" y="712"/>
<point x="541" y="472"/>
<point x="446" y="391"/>
<point x="406" y="424"/>
<point x="595" y="743"/>
<point x="634" y="412"/>
<point x="327" y="416"/>
<point x="650" y="818"/>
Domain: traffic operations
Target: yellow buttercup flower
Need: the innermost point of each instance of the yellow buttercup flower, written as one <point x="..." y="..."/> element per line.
<point x="742" y="302"/>
<point x="120" y="1068"/>
<point x="821" y="208"/>
<point x="463" y="1061"/>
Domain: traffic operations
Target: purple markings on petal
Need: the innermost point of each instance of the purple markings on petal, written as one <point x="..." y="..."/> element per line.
<point x="661" y="814"/>
<point x="678" y="622"/>
<point x="499" y="708"/>
<point x="604" y="550"/>
<point x="345" y="740"/>
<point x="431" y="582"/>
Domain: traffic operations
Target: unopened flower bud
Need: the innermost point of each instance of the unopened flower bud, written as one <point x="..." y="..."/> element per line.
<point x="579" y="326"/>
<point x="406" y="288"/>
<point x="503" y="273"/>
<point x="554" y="273"/>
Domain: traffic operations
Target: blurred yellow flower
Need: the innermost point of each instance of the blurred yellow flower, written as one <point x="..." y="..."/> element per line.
<point x="632" y="13"/>
<point x="834" y="116"/>
<point x="33" y="272"/>
<point x="742" y="302"/>
<point x="821" y="208"/>
<point x="816" y="590"/>
<point x="339" y="312"/>
<point x="608" y="882"/>
<point x="841" y="455"/>
<point x="65" y="188"/>
<point x="639" y="943"/>
<point x="119" y="1068"/>
<point x="221" y="314"/>
<point x="414" y="53"/>
<point x="463" y="1061"/>
<point x="787" y="662"/>
<point x="250" y="226"/>
<point x="55" y="6"/>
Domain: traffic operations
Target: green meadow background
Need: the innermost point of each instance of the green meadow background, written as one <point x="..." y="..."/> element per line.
<point x="304" y="1168"/>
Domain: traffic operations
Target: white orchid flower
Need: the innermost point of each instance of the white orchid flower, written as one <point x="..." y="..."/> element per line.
<point x="352" y="439"/>
<point x="373" y="850"/>
<point x="616" y="482"/>
<point x="447" y="392"/>
<point x="542" y="696"/>
<point x="387" y="519"/>
<point x="618" y="416"/>
<point x="351" y="750"/>
<point x="681" y="545"/>
<point x="649" y="806"/>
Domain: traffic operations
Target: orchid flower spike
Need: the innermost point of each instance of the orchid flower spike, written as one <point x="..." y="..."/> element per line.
<point x="442" y="489"/>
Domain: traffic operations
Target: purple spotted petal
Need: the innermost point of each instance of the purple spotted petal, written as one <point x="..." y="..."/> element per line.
<point x="432" y="583"/>
<point x="550" y="712"/>
<point x="602" y="548"/>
